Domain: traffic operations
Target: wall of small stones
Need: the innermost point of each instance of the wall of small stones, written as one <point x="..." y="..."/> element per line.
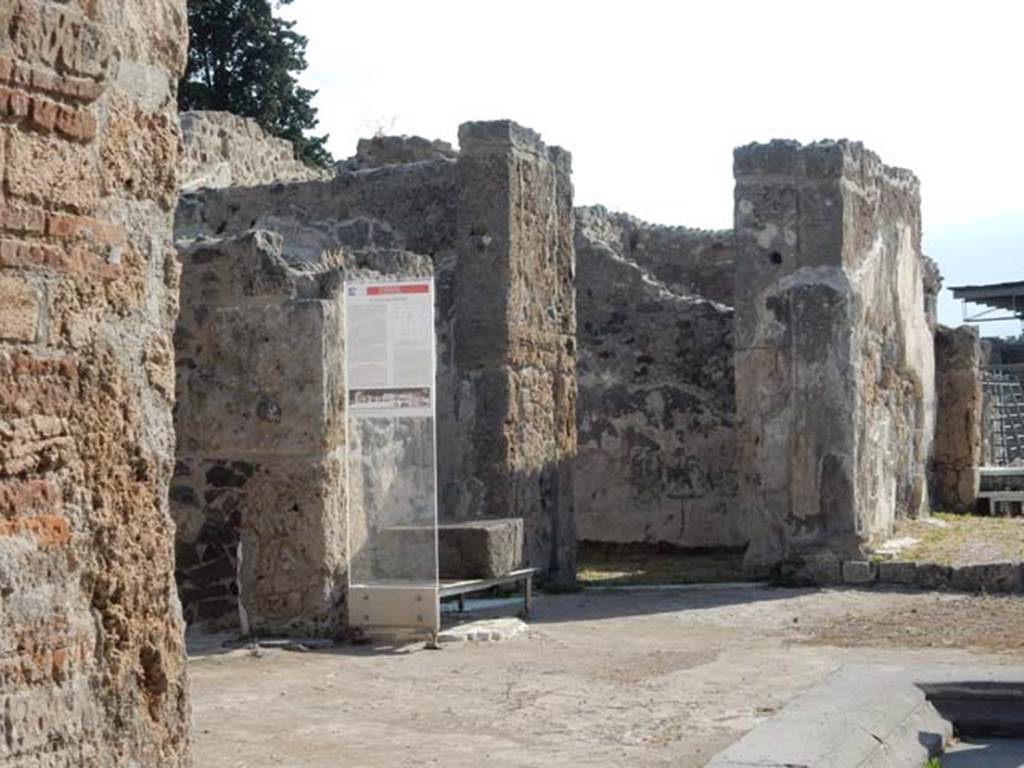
<point x="656" y="460"/>
<point x="92" y="661"/>
<point x="834" y="349"/>
<point x="225" y="150"/>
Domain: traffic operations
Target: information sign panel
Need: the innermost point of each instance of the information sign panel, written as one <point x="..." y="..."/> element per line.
<point x="392" y="470"/>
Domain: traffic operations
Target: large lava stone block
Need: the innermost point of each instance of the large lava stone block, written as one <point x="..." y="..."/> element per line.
<point x="469" y="549"/>
<point x="480" y="549"/>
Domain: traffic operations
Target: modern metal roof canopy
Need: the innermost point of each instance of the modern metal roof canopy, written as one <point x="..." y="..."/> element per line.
<point x="998" y="297"/>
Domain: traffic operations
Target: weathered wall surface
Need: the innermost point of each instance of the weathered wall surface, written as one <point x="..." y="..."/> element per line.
<point x="835" y="358"/>
<point x="698" y="262"/>
<point x="225" y="150"/>
<point x="497" y="224"/>
<point x="258" y="487"/>
<point x="956" y="454"/>
<point x="513" y="399"/>
<point x="396" y="150"/>
<point x="408" y="207"/>
<point x="258" y="491"/>
<point x="657" y="440"/>
<point x="92" y="666"/>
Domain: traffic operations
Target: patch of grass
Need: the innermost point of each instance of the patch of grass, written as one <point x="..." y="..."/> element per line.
<point x="933" y="762"/>
<point x="964" y="539"/>
<point x="632" y="564"/>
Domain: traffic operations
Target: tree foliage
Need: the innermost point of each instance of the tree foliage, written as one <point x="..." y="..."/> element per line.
<point x="243" y="59"/>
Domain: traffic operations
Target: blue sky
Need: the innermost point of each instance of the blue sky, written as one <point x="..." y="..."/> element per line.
<point x="651" y="97"/>
<point x="983" y="250"/>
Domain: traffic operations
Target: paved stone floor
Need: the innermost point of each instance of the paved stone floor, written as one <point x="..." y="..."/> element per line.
<point x="644" y="678"/>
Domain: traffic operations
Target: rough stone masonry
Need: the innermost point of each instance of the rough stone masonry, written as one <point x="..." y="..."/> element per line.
<point x="92" y="665"/>
<point x="225" y="150"/>
<point x="494" y="224"/>
<point x="799" y="423"/>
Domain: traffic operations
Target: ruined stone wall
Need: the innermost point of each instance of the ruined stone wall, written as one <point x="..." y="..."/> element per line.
<point x="496" y="224"/>
<point x="258" y="487"/>
<point x="835" y="359"/>
<point x="258" y="491"/>
<point x="408" y="207"/>
<point x="956" y="453"/>
<point x="92" y="664"/>
<point x="697" y="262"/>
<point x="657" y="440"/>
<point x="396" y="150"/>
<point x="513" y="399"/>
<point x="226" y="150"/>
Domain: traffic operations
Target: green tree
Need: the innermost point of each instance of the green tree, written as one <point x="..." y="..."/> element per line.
<point x="243" y="59"/>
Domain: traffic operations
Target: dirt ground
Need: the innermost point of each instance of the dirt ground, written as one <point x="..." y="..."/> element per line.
<point x="963" y="539"/>
<point x="622" y="564"/>
<point x="603" y="678"/>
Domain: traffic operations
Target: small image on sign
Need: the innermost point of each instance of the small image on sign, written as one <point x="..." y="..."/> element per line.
<point x="402" y="401"/>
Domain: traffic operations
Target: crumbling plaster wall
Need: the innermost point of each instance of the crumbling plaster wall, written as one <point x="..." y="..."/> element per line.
<point x="835" y="358"/>
<point x="92" y="663"/>
<point x="225" y="150"/>
<point x="497" y="224"/>
<point x="657" y="439"/>
<point x="956" y="454"/>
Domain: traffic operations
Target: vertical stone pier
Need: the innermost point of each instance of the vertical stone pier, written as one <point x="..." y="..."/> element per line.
<point x="835" y="357"/>
<point x="92" y="660"/>
<point x="958" y="428"/>
<point x="514" y="340"/>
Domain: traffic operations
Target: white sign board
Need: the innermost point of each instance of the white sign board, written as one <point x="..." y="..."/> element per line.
<point x="390" y="348"/>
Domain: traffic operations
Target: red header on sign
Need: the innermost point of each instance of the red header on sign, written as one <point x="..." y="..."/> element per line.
<point x="383" y="290"/>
